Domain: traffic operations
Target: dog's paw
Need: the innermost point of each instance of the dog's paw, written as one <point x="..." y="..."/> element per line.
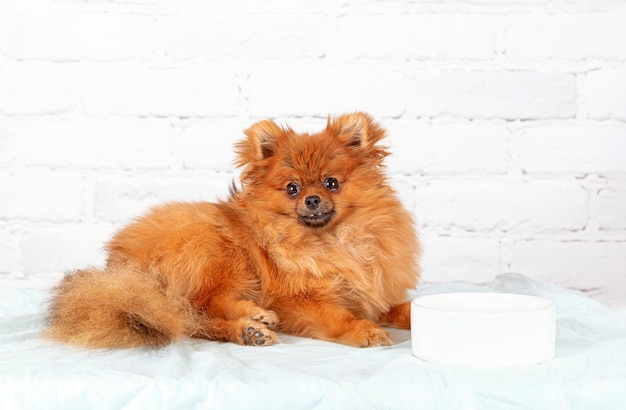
<point x="257" y="334"/>
<point x="365" y="334"/>
<point x="266" y="317"/>
<point x="376" y="337"/>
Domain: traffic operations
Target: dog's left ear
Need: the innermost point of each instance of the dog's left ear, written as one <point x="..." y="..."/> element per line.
<point x="357" y="129"/>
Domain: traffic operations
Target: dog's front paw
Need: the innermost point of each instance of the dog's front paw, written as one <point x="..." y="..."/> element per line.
<point x="365" y="334"/>
<point x="376" y="337"/>
<point x="257" y="334"/>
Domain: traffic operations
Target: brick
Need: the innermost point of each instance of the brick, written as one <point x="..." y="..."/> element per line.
<point x="119" y="199"/>
<point x="577" y="264"/>
<point x="39" y="88"/>
<point x="545" y="36"/>
<point x="130" y="90"/>
<point x="448" y="258"/>
<point x="448" y="148"/>
<point x="209" y="144"/>
<point x="241" y="6"/>
<point x="42" y="196"/>
<point x="571" y="147"/>
<point x="414" y="36"/>
<point x="52" y="250"/>
<point x="277" y="91"/>
<point x="611" y="210"/>
<point x="320" y="89"/>
<point x="69" y="36"/>
<point x="405" y="192"/>
<point x="487" y="205"/>
<point x="493" y="94"/>
<point x="255" y="37"/>
<point x="471" y="6"/>
<point x="8" y="146"/>
<point x="604" y="93"/>
<point x="42" y="6"/>
<point x="94" y="144"/>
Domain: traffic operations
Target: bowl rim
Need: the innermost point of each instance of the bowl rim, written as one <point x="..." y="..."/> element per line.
<point x="488" y="303"/>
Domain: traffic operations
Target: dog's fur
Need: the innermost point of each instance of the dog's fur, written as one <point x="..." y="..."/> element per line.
<point x="331" y="258"/>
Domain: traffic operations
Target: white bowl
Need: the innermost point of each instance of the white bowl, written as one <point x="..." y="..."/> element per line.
<point x="483" y="329"/>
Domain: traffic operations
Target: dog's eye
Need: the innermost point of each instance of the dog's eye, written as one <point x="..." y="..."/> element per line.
<point x="293" y="189"/>
<point x="331" y="184"/>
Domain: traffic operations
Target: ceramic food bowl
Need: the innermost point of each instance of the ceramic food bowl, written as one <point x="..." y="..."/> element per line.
<point x="483" y="329"/>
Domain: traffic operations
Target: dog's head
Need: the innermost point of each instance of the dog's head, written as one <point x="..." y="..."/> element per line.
<point x="315" y="179"/>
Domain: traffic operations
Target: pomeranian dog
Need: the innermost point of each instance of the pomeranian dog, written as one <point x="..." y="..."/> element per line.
<point x="314" y="243"/>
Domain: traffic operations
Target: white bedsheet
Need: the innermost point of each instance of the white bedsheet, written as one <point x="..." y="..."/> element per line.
<point x="589" y="371"/>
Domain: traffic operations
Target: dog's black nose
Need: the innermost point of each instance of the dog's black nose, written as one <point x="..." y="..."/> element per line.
<point x="312" y="202"/>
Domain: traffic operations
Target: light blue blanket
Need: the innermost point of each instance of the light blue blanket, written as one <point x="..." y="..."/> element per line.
<point x="589" y="371"/>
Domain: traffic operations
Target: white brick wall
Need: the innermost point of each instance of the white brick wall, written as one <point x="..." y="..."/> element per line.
<point x="498" y="94"/>
<point x="503" y="205"/>
<point x="507" y="120"/>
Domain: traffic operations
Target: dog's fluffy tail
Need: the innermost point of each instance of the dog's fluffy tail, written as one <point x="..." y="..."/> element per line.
<point x="117" y="308"/>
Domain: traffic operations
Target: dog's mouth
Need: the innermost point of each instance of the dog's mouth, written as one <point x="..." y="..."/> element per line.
<point x="316" y="219"/>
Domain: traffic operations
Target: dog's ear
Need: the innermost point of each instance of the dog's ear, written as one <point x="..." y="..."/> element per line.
<point x="260" y="143"/>
<point x="357" y="129"/>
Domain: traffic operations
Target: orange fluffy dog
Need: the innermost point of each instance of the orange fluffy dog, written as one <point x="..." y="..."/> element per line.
<point x="315" y="243"/>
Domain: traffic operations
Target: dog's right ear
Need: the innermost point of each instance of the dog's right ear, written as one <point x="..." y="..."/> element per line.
<point x="260" y="144"/>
